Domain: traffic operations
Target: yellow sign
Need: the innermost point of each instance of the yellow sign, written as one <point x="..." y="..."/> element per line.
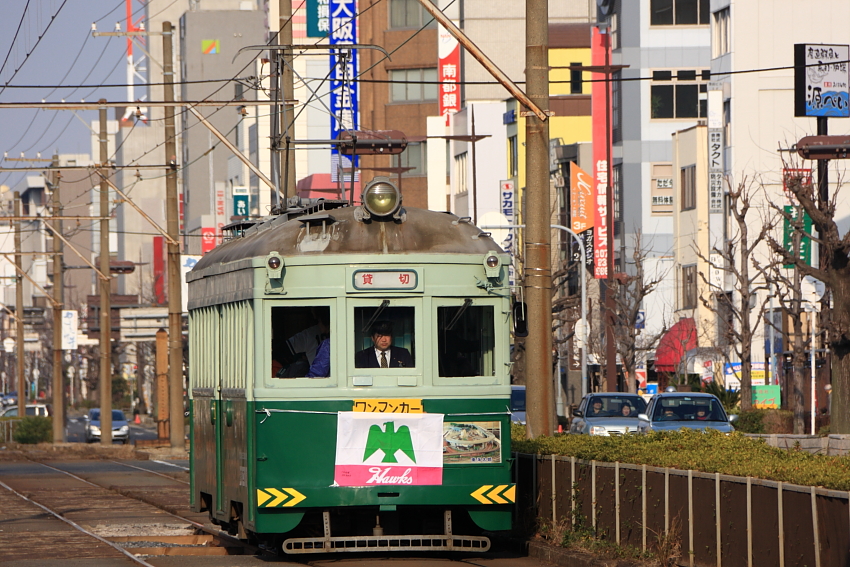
<point x="274" y="497"/>
<point x="502" y="494"/>
<point x="388" y="406"/>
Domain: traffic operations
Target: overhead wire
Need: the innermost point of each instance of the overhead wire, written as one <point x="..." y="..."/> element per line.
<point x="15" y="38"/>
<point x="38" y="41"/>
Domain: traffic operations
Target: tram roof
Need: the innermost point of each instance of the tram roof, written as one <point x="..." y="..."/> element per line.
<point x="421" y="231"/>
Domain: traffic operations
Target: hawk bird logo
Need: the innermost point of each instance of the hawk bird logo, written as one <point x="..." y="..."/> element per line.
<point x="389" y="441"/>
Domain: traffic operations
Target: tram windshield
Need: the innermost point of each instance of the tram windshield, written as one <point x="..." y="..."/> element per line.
<point x="384" y="337"/>
<point x="466" y="340"/>
<point x="301" y="342"/>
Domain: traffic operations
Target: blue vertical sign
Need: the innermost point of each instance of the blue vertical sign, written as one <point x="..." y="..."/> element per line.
<point x="344" y="103"/>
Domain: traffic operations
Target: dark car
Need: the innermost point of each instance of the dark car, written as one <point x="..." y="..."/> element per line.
<point x="120" y="426"/>
<point x="607" y="413"/>
<point x="672" y="411"/>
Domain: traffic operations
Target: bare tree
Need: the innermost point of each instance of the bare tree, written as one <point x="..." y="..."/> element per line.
<point x="790" y="297"/>
<point x="629" y="293"/>
<point x="747" y="305"/>
<point x="834" y="272"/>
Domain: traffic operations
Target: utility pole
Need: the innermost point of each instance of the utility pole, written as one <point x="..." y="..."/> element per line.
<point x="19" y="313"/>
<point x="58" y="294"/>
<point x="538" y="271"/>
<point x="172" y="226"/>
<point x="105" y="291"/>
<point x="288" y="118"/>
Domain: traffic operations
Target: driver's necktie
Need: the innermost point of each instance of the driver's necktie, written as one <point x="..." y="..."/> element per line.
<point x="384" y="360"/>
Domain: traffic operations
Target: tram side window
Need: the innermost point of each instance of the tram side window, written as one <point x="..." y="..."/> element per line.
<point x="384" y="337"/>
<point x="466" y="340"/>
<point x="301" y="342"/>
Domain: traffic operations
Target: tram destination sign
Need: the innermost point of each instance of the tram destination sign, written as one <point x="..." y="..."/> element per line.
<point x="384" y="280"/>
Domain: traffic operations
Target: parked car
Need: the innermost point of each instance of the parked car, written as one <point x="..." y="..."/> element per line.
<point x="607" y="413"/>
<point x="40" y="410"/>
<point x="120" y="426"/>
<point x="9" y="399"/>
<point x="518" y="404"/>
<point x="672" y="411"/>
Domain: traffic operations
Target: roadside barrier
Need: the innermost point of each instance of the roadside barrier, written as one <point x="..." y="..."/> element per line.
<point x="725" y="521"/>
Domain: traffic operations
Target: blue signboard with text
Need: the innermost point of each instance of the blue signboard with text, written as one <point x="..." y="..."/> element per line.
<point x="344" y="91"/>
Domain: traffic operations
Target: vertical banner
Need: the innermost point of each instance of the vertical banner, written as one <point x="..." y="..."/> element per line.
<point x="344" y="91"/>
<point x="208" y="238"/>
<point x="159" y="269"/>
<point x="220" y="211"/>
<point x="792" y="208"/>
<point x="448" y="70"/>
<point x="187" y="262"/>
<point x="507" y="189"/>
<point x="582" y="206"/>
<point x="318" y="18"/>
<point x="241" y="197"/>
<point x="381" y="448"/>
<point x="69" y="329"/>
<point x="601" y="139"/>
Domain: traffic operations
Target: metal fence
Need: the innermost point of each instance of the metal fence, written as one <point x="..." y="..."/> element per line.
<point x="723" y="521"/>
<point x="7" y="429"/>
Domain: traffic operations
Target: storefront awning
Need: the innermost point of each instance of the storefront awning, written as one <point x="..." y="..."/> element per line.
<point x="681" y="338"/>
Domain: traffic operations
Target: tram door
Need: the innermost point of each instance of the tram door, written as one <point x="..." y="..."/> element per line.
<point x="218" y="403"/>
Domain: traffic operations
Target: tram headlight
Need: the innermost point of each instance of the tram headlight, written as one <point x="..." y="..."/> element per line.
<point x="381" y="198"/>
<point x="274" y="265"/>
<point x="492" y="264"/>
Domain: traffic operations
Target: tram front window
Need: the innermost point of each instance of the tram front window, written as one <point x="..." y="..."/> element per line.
<point x="384" y="337"/>
<point x="301" y="342"/>
<point x="466" y="340"/>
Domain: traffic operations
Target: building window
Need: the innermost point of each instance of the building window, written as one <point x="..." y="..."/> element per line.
<point x="616" y="108"/>
<point x="413" y="85"/>
<point x="513" y="157"/>
<point x="410" y="14"/>
<point x="415" y="156"/>
<point x="661" y="189"/>
<point x="614" y="21"/>
<point x="617" y="186"/>
<point x="689" y="187"/>
<point x="727" y="123"/>
<point x="678" y="12"/>
<point x="720" y="43"/>
<point x="684" y="95"/>
<point x="575" y="79"/>
<point x="689" y="287"/>
<point x="460" y="173"/>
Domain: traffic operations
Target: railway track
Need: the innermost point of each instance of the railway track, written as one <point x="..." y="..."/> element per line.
<point x="122" y="512"/>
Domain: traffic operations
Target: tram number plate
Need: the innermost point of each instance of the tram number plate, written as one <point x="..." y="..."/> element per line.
<point x="388" y="406"/>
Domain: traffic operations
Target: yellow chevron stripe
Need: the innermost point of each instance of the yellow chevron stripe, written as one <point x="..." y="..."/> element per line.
<point x="296" y="497"/>
<point x="494" y="494"/>
<point x="280" y="497"/>
<point x="479" y="494"/>
<point x="262" y="497"/>
<point x="510" y="493"/>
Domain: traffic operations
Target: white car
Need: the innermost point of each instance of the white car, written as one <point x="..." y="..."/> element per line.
<point x="39" y="410"/>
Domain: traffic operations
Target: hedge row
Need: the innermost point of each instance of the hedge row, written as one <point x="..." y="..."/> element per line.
<point x="711" y="452"/>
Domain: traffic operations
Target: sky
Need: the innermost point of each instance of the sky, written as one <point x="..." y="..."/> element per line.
<point x="66" y="54"/>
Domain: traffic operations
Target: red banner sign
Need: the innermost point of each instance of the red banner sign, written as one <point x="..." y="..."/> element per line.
<point x="448" y="70"/>
<point x="600" y="105"/>
<point x="208" y="239"/>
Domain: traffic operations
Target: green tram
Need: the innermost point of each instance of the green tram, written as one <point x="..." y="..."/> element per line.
<point x="302" y="438"/>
